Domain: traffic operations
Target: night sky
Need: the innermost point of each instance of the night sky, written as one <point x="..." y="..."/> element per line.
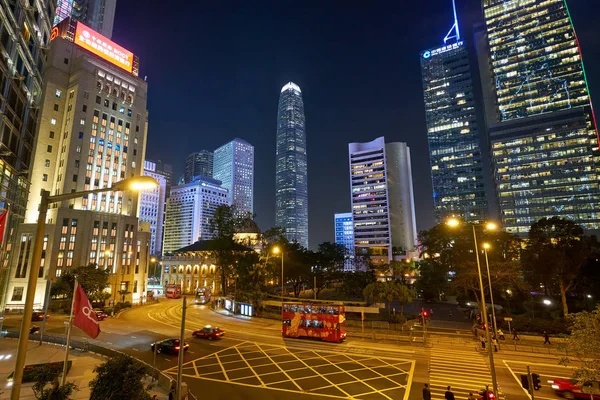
<point x="215" y="70"/>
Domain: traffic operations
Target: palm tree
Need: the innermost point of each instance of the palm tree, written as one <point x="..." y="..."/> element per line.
<point x="404" y="295"/>
<point x="375" y="291"/>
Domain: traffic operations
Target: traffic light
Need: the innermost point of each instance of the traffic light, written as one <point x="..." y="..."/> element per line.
<point x="425" y="314"/>
<point x="525" y="381"/>
<point x="535" y="378"/>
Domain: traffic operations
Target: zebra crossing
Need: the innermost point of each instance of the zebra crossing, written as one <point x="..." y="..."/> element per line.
<point x="465" y="371"/>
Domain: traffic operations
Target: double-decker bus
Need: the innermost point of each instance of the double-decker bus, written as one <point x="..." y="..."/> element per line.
<point x="319" y="321"/>
<point x="172" y="291"/>
<point x="203" y="295"/>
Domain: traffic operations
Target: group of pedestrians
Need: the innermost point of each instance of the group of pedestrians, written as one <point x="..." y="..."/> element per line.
<point x="449" y="395"/>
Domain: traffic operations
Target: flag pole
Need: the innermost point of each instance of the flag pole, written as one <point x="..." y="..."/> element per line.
<point x="68" y="344"/>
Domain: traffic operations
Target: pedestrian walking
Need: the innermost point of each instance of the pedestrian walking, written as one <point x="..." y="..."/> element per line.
<point x="449" y="314"/>
<point x="495" y="343"/>
<point x="482" y="339"/>
<point x="500" y="334"/>
<point x="515" y="336"/>
<point x="426" y="392"/>
<point x="449" y="395"/>
<point x="172" y="393"/>
<point x="471" y="396"/>
<point x="546" y="338"/>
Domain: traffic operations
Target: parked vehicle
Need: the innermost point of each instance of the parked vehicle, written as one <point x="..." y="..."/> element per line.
<point x="39" y="316"/>
<point x="100" y="314"/>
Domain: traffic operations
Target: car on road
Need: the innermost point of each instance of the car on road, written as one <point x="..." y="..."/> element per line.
<point x="208" y="332"/>
<point x="38" y="316"/>
<point x="568" y="389"/>
<point x="170" y="346"/>
<point x="100" y="314"/>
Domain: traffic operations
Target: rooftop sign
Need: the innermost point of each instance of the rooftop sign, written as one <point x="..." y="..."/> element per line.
<point x="103" y="47"/>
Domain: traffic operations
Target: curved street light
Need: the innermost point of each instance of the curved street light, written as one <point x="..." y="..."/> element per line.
<point x="133" y="183"/>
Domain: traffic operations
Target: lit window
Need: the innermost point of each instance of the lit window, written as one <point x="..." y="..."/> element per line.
<point x="53" y="121"/>
<point x="82" y="121"/>
<point x="58" y="93"/>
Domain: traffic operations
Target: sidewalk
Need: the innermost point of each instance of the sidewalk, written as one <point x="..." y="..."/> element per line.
<point x="81" y="372"/>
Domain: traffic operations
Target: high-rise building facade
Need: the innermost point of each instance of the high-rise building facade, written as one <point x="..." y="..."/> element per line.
<point x="92" y="134"/>
<point x="543" y="136"/>
<point x="344" y="235"/>
<point x="99" y="15"/>
<point x="199" y="163"/>
<point x="457" y="171"/>
<point x="25" y="29"/>
<point x="291" y="182"/>
<point x="233" y="165"/>
<point x="152" y="207"/>
<point x="382" y="197"/>
<point x="189" y="210"/>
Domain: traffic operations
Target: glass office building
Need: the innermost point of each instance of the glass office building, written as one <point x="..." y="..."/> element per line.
<point x="542" y="130"/>
<point x="291" y="167"/>
<point x="344" y="235"/>
<point x="452" y="133"/>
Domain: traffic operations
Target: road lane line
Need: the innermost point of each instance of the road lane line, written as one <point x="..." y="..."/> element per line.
<point x="222" y="368"/>
<point x="281" y="369"/>
<point x="517" y="379"/>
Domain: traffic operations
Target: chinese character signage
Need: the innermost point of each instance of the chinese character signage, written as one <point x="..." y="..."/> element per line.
<point x="441" y="50"/>
<point x="103" y="47"/>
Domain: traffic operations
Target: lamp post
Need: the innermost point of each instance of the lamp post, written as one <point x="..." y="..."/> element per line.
<point x="276" y="250"/>
<point x="134" y="183"/>
<point x="486" y="247"/>
<point x="453" y="223"/>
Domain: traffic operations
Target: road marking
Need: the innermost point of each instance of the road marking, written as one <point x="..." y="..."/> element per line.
<point x="517" y="379"/>
<point x="540" y="364"/>
<point x="133" y="337"/>
<point x="133" y="348"/>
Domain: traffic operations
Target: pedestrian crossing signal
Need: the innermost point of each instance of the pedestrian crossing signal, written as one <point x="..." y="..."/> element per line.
<point x="536" y="381"/>
<point x="525" y="381"/>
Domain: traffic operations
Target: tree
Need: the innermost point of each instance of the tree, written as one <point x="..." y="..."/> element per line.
<point x="43" y="376"/>
<point x="375" y="291"/>
<point x="354" y="282"/>
<point x="583" y="346"/>
<point x="388" y="292"/>
<point x="329" y="265"/>
<point x="432" y="279"/>
<point x="297" y="265"/>
<point x="404" y="294"/>
<point x="556" y="252"/>
<point x="92" y="279"/>
<point x="122" y="378"/>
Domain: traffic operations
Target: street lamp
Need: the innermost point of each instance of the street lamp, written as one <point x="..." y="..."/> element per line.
<point x="277" y="250"/>
<point x="133" y="183"/>
<point x="547" y="302"/>
<point x="453" y="223"/>
<point x="486" y="247"/>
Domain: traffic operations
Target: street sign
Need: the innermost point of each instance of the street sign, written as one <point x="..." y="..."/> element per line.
<point x="507" y="319"/>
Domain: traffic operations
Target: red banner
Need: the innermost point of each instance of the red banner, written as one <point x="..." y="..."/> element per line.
<point x="3" y="218"/>
<point x="84" y="316"/>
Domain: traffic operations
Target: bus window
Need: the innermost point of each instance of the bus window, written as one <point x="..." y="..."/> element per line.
<point x="336" y="310"/>
<point x="307" y="309"/>
<point x="321" y="325"/>
<point x="294" y="307"/>
<point x="287" y="322"/>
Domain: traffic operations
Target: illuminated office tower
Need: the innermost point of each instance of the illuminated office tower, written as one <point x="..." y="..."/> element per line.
<point x="291" y="168"/>
<point x="382" y="197"/>
<point x="198" y="163"/>
<point x="92" y="134"/>
<point x="190" y="208"/>
<point x="344" y="235"/>
<point x="99" y="15"/>
<point x="233" y="165"/>
<point x="543" y="136"/>
<point x="452" y="132"/>
<point x="152" y="207"/>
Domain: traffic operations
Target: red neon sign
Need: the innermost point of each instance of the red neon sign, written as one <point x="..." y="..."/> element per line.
<point x="103" y="47"/>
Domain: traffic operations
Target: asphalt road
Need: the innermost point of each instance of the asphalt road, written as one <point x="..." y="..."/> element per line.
<point x="254" y="361"/>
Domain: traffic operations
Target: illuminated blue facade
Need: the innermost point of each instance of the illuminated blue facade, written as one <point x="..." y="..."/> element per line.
<point x="457" y="171"/>
<point x="344" y="235"/>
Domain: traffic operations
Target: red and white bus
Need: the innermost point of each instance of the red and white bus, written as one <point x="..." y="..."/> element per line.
<point x="319" y="321"/>
<point x="172" y="291"/>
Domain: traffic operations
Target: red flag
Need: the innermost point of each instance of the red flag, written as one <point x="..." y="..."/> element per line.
<point x="3" y="224"/>
<point x="84" y="316"/>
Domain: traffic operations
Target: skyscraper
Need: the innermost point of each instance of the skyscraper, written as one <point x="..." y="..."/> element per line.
<point x="382" y="197"/>
<point x="152" y="207"/>
<point x="543" y="135"/>
<point x="344" y="235"/>
<point x="452" y="132"/>
<point x="199" y="163"/>
<point x="291" y="166"/>
<point x="99" y="15"/>
<point x="189" y="211"/>
<point x="233" y="165"/>
<point x="92" y="134"/>
<point x="24" y="31"/>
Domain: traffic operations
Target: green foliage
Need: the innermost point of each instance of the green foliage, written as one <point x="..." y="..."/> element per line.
<point x="388" y="292"/>
<point x="45" y="374"/>
<point x="432" y="280"/>
<point x="353" y="283"/>
<point x="535" y="325"/>
<point x="583" y="346"/>
<point x="92" y="279"/>
<point x="329" y="264"/>
<point x="556" y="252"/>
<point x="121" y="378"/>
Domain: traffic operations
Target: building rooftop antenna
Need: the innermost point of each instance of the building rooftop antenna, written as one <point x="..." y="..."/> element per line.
<point x="454" y="28"/>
